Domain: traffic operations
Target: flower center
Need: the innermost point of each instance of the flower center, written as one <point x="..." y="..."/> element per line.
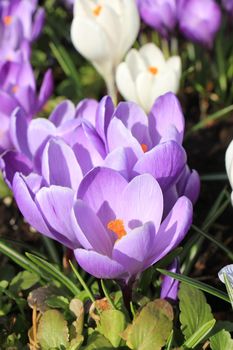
<point x="15" y="89"/>
<point x="144" y="147"/>
<point x="97" y="10"/>
<point x="117" y="226"/>
<point x="7" y="20"/>
<point x="153" y="70"/>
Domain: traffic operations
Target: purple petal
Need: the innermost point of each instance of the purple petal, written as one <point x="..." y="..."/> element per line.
<point x="103" y="116"/>
<point x="170" y="286"/>
<point x="165" y="162"/>
<point x="132" y="250"/>
<point x="122" y="160"/>
<point x="59" y="165"/>
<point x="134" y="118"/>
<point x="98" y="265"/>
<point x="46" y="89"/>
<point x="91" y="230"/>
<point x="18" y="131"/>
<point x="165" y="117"/>
<point x="38" y="24"/>
<point x="63" y="112"/>
<point x="119" y="136"/>
<point x="173" y="229"/>
<point x="102" y="190"/>
<point x="24" y="189"/>
<point x="86" y="109"/>
<point x="142" y="201"/>
<point x="14" y="162"/>
<point x="55" y="204"/>
<point x="39" y="130"/>
<point x="189" y="185"/>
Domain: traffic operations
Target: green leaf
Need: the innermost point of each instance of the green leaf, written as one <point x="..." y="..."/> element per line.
<point x="200" y="334"/>
<point x="23" y="281"/>
<point x="57" y="302"/>
<point x="52" y="330"/>
<point x="194" y="310"/>
<point x="221" y="341"/>
<point x="151" y="328"/>
<point x="112" y="324"/>
<point x="54" y="272"/>
<point x="98" y="341"/>
<point x="196" y="284"/>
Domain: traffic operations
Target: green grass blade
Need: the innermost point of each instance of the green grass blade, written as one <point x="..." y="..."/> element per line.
<point x="199" y="335"/>
<point x="54" y="272"/>
<point x="82" y="282"/>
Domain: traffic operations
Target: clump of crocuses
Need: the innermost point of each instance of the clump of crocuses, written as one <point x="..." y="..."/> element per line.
<point x="108" y="182"/>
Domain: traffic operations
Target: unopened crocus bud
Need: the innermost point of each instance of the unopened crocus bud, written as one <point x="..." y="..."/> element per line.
<point x="159" y="14"/>
<point x="145" y="75"/>
<point x="199" y="20"/>
<point x="103" y="31"/>
<point x="228" y="6"/>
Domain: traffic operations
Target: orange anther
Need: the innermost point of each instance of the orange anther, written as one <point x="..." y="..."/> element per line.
<point x="97" y="10"/>
<point x="117" y="226"/>
<point x="7" y="20"/>
<point x="144" y="147"/>
<point x="15" y="89"/>
<point x="153" y="70"/>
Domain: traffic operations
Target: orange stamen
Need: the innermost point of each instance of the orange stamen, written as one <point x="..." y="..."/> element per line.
<point x="117" y="226"/>
<point x="7" y="20"/>
<point x="97" y="10"/>
<point x="144" y="147"/>
<point x="153" y="70"/>
<point x="15" y="89"/>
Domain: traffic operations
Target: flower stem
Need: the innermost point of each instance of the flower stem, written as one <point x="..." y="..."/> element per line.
<point x="111" y="86"/>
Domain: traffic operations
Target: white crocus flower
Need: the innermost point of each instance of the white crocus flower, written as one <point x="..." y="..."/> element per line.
<point x="226" y="276"/>
<point x="145" y="75"/>
<point x="229" y="165"/>
<point x="103" y="31"/>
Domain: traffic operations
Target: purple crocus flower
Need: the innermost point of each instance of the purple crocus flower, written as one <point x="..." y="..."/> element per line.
<point x="118" y="240"/>
<point x="29" y="25"/>
<point x="199" y="20"/>
<point x="228" y="6"/>
<point x="159" y="14"/>
<point x="170" y="286"/>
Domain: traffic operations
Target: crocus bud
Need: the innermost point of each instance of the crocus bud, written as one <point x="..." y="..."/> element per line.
<point x="228" y="6"/>
<point x="103" y="31"/>
<point x="145" y="75"/>
<point x="159" y="14"/>
<point x="229" y="165"/>
<point x="199" y="20"/>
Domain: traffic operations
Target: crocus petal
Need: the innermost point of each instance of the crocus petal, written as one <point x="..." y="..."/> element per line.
<point x="142" y="201"/>
<point x="165" y="162"/>
<point x="166" y="113"/>
<point x="152" y="55"/>
<point x="123" y="160"/>
<point x="65" y="172"/>
<point x="119" y="136"/>
<point x="98" y="265"/>
<point x="55" y="204"/>
<point x="125" y="83"/>
<point x="38" y="24"/>
<point x="173" y="229"/>
<point x="91" y="229"/>
<point x="12" y="162"/>
<point x="46" y="89"/>
<point x="86" y="109"/>
<point x="170" y="286"/>
<point x="132" y="249"/>
<point x="229" y="162"/>
<point x="102" y="189"/>
<point x="63" y="112"/>
<point x="103" y="116"/>
<point x="18" y="131"/>
<point x="39" y="130"/>
<point x="24" y="189"/>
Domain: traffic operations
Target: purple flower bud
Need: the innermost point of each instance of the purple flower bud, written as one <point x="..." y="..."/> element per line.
<point x="228" y="6"/>
<point x="159" y="14"/>
<point x="199" y="20"/>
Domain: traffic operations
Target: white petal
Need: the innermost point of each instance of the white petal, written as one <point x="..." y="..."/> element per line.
<point x="228" y="270"/>
<point x="229" y="162"/>
<point x="174" y="63"/>
<point x="110" y="23"/>
<point x="135" y="63"/>
<point x="144" y="84"/>
<point x="125" y="83"/>
<point x="152" y="55"/>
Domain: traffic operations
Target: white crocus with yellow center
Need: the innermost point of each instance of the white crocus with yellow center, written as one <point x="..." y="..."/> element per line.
<point x="145" y="75"/>
<point x="103" y="31"/>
